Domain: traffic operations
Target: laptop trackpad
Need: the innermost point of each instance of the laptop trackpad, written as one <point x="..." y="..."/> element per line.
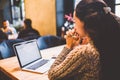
<point x="46" y="66"/>
<point x="38" y="64"/>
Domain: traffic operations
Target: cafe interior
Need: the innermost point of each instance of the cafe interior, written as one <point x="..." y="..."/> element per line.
<point x="51" y="18"/>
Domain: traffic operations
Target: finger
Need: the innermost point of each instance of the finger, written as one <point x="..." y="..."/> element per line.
<point x="65" y="36"/>
<point x="73" y="31"/>
<point x="75" y="38"/>
<point x="68" y="33"/>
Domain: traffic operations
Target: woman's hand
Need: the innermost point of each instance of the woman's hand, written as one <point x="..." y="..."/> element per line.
<point x="72" y="39"/>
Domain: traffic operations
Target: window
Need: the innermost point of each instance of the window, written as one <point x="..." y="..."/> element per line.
<point x="17" y="11"/>
<point x="63" y="7"/>
<point x="117" y="7"/>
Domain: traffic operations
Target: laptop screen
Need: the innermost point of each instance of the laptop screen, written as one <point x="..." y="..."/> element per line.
<point x="27" y="52"/>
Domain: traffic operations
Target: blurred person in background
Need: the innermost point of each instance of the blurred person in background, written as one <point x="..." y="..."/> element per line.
<point x="28" y="32"/>
<point x="10" y="31"/>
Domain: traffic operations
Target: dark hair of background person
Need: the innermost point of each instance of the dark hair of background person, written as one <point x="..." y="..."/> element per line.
<point x="28" y="23"/>
<point x="104" y="30"/>
<point x="3" y="36"/>
<point x="5" y="20"/>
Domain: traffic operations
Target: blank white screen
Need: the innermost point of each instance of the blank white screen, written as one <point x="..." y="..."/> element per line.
<point x="28" y="53"/>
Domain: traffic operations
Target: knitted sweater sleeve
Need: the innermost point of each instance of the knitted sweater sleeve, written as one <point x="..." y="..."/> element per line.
<point x="66" y="64"/>
<point x="61" y="57"/>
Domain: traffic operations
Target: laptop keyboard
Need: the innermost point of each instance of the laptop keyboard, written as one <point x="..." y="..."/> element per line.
<point x="38" y="64"/>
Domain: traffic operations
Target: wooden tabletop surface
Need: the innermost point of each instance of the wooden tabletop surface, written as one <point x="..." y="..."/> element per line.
<point x="10" y="66"/>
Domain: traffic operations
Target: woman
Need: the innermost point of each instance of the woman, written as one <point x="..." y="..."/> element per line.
<point x="92" y="47"/>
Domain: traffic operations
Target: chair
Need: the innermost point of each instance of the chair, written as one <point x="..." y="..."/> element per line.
<point x="6" y="48"/>
<point x="49" y="41"/>
<point x="0" y="56"/>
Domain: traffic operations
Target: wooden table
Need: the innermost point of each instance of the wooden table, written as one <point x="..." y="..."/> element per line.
<point x="10" y="66"/>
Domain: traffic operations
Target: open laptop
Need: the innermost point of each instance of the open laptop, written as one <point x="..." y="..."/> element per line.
<point x="30" y="58"/>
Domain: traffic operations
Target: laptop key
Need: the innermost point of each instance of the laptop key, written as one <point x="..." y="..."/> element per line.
<point x="38" y="64"/>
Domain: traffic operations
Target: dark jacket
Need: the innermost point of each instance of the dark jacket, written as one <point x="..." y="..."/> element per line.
<point x="3" y="36"/>
<point x="28" y="34"/>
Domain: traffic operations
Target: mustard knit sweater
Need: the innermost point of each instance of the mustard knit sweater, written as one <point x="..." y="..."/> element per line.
<point x="81" y="63"/>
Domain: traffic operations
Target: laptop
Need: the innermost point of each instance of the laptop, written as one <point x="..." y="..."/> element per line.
<point x="30" y="58"/>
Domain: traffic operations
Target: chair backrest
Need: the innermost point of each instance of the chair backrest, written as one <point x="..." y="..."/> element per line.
<point x="6" y="48"/>
<point x="49" y="41"/>
<point x="0" y="56"/>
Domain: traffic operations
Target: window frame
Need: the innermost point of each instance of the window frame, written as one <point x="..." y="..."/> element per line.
<point x="117" y="5"/>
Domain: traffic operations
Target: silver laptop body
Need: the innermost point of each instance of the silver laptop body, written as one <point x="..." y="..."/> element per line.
<point x="29" y="57"/>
